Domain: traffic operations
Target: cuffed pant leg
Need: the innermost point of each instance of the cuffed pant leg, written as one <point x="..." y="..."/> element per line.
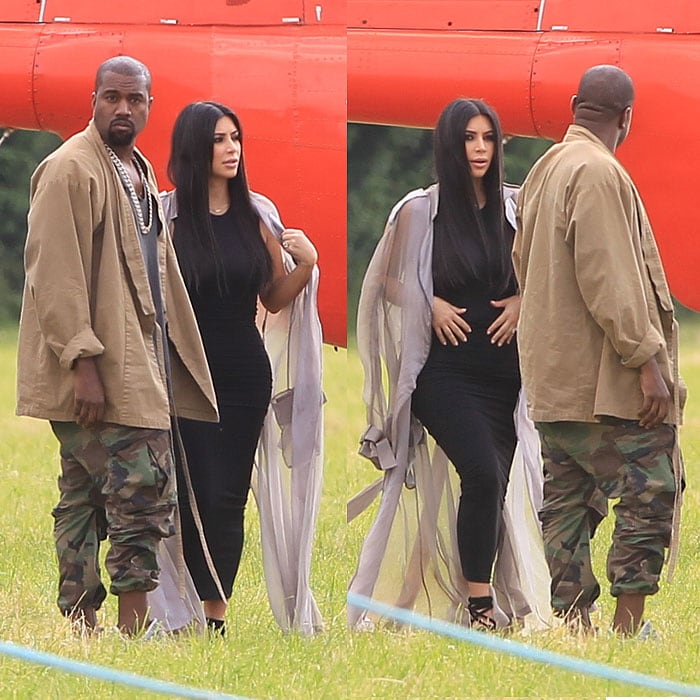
<point x="139" y="503"/>
<point x="79" y="519"/>
<point x="644" y="513"/>
<point x="566" y="517"/>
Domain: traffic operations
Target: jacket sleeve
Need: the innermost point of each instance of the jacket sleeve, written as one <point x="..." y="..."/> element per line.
<point x="608" y="264"/>
<point x="58" y="260"/>
<point x="517" y="252"/>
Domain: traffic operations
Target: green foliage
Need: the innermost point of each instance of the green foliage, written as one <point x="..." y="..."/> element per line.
<point x="520" y="153"/>
<point x="19" y="155"/>
<point x="385" y="163"/>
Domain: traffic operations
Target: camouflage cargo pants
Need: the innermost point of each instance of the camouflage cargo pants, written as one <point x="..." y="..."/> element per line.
<point x="115" y="482"/>
<point x="585" y="464"/>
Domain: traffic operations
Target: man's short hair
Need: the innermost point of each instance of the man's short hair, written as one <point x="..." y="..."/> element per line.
<point x="123" y="65"/>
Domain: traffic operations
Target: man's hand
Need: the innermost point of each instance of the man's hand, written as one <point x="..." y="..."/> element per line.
<point x="89" y="401"/>
<point x="448" y="323"/>
<point x="657" y="398"/>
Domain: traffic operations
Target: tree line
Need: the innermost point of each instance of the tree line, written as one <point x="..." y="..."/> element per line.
<point x="19" y="155"/>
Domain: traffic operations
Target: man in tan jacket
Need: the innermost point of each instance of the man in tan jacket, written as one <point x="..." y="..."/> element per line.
<point x="96" y="356"/>
<point x="598" y="348"/>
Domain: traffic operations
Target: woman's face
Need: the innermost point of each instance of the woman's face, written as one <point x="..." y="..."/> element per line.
<point x="479" y="144"/>
<point x="226" y="153"/>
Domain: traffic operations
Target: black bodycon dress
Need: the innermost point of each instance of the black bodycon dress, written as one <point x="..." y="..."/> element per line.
<point x="220" y="456"/>
<point x="465" y="397"/>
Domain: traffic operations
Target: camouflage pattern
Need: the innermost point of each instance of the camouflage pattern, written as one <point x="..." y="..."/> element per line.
<point x="585" y="464"/>
<point x="115" y="482"/>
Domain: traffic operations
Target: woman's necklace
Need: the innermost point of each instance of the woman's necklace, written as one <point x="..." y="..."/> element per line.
<point x="220" y="210"/>
<point x="144" y="226"/>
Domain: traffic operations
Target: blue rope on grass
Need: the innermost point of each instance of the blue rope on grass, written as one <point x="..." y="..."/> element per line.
<point x="103" y="673"/>
<point x="526" y="651"/>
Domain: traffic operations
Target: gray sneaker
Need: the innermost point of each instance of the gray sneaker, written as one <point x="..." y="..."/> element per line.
<point x="155" y="630"/>
<point x="647" y="631"/>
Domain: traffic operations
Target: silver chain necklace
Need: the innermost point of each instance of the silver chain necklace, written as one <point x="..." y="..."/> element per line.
<point x="144" y="226"/>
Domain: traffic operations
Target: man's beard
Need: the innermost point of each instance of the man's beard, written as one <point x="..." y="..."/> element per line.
<point x="120" y="138"/>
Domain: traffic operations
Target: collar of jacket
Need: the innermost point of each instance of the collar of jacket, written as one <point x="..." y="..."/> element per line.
<point x="576" y="132"/>
<point x="128" y="232"/>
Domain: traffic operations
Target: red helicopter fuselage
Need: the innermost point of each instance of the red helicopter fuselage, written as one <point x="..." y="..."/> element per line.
<point x="407" y="60"/>
<point x="279" y="64"/>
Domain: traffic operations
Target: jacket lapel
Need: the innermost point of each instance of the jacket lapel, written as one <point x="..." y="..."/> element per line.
<point x="128" y="234"/>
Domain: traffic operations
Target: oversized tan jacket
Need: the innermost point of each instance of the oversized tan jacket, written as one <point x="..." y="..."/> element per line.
<point x="595" y="302"/>
<point x="87" y="294"/>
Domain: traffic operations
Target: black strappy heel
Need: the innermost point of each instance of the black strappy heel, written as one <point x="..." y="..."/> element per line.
<point x="478" y="607"/>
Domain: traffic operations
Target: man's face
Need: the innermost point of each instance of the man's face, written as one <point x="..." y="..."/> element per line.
<point x="120" y="105"/>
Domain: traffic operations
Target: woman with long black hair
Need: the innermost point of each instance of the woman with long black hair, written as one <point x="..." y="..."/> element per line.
<point x="230" y="257"/>
<point x="439" y="307"/>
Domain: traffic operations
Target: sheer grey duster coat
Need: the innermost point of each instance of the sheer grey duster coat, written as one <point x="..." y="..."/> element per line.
<point x="415" y="523"/>
<point x="289" y="463"/>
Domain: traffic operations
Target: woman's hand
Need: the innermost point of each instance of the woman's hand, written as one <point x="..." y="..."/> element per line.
<point x="295" y="242"/>
<point x="448" y="323"/>
<point x="285" y="286"/>
<point x="502" y="330"/>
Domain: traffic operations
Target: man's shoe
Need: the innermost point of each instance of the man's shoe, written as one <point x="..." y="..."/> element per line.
<point x="646" y="632"/>
<point x="154" y="630"/>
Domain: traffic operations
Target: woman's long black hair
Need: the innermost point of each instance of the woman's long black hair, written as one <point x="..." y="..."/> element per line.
<point x="189" y="166"/>
<point x="463" y="239"/>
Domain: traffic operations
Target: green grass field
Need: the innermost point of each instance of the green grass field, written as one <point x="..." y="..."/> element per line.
<point x="256" y="660"/>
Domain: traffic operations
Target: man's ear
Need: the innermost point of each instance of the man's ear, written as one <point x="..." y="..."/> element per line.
<point x="625" y="117"/>
<point x="572" y="104"/>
